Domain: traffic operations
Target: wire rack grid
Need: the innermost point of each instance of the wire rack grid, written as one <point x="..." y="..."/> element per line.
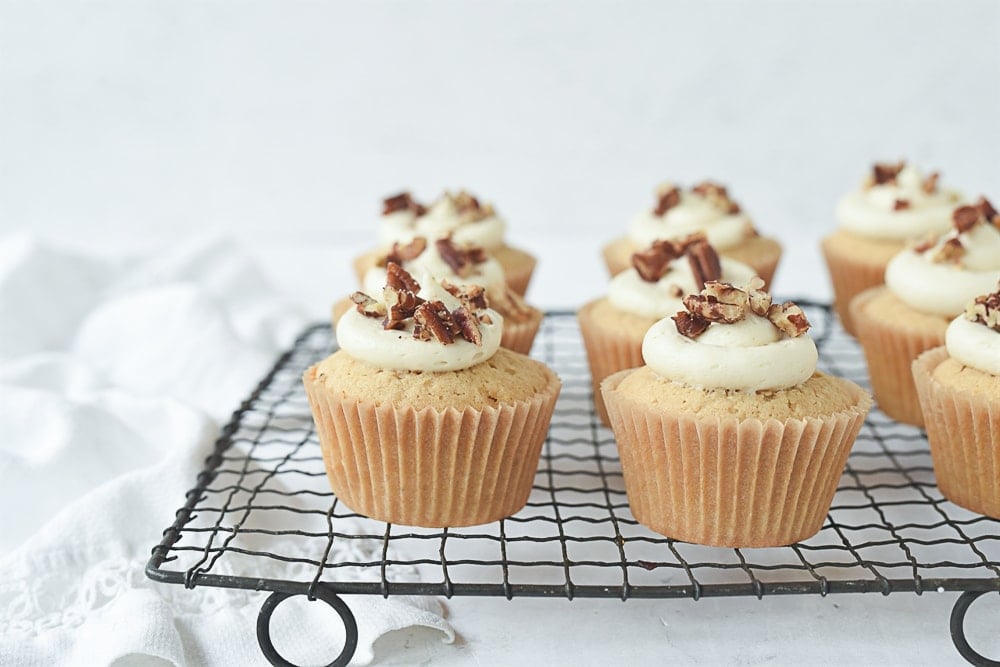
<point x="261" y="515"/>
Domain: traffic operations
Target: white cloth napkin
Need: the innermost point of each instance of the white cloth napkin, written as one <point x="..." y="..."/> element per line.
<point x="115" y="377"/>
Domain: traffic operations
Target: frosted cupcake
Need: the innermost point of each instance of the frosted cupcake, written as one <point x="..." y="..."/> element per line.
<point x="423" y="419"/>
<point x="464" y="269"/>
<point x="464" y="217"/>
<point x="959" y="388"/>
<point x="926" y="286"/>
<point x="706" y="208"/>
<point x="729" y="436"/>
<point x="661" y="275"/>
<point x="895" y="204"/>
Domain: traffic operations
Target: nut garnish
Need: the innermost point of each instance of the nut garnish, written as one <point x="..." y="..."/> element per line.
<point x="926" y="243"/>
<point x="705" y="265"/>
<point x="468" y="325"/>
<point x="472" y="297"/>
<point x="402" y="202"/>
<point x="468" y="208"/>
<point x="404" y="252"/>
<point x="368" y="306"/>
<point x="461" y="260"/>
<point x="723" y="303"/>
<point x="401" y="304"/>
<point x="965" y="218"/>
<point x="985" y="310"/>
<point x="396" y="276"/>
<point x="930" y="184"/>
<point x="901" y="205"/>
<point x="428" y="316"/>
<point x="951" y="251"/>
<point x="668" y="195"/>
<point x="789" y="318"/>
<point x="884" y="173"/>
<point x="717" y="195"/>
<point x="654" y="262"/>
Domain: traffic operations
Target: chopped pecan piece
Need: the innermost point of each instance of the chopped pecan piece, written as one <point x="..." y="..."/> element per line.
<point x="925" y="244"/>
<point x="690" y="325"/>
<point x="966" y="217"/>
<point x="930" y="184"/>
<point x="667" y="196"/>
<point x="704" y="262"/>
<point x="402" y="202"/>
<point x="951" y="251"/>
<point x="985" y="310"/>
<point x="883" y="173"/>
<point x="789" y="318"/>
<point x="469" y="208"/>
<point x="399" y="278"/>
<point x="654" y="262"/>
<point x="727" y="294"/>
<point x="472" y="297"/>
<point x="901" y="205"/>
<point x="401" y="304"/>
<point x="760" y="301"/>
<point x="432" y="325"/>
<point x="484" y="318"/>
<point x="368" y="306"/>
<point x="404" y="252"/>
<point x="711" y="309"/>
<point x="467" y="325"/>
<point x="717" y="195"/>
<point x="461" y="260"/>
<point x="990" y="213"/>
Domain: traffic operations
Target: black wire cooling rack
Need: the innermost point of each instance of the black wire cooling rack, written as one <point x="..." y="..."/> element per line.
<point x="261" y="516"/>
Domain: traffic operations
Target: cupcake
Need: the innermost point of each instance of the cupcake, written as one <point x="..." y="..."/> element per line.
<point x="959" y="389"/>
<point x="705" y="208"/>
<point x="464" y="269"/>
<point x="894" y="205"/>
<point x="469" y="221"/>
<point x="926" y="286"/>
<point x="613" y="326"/>
<point x="423" y="419"/>
<point x="729" y="436"/>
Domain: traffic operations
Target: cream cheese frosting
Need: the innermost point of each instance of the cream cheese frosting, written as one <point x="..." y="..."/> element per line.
<point x="906" y="206"/>
<point x="628" y="292"/>
<point x="973" y="344"/>
<point x="751" y="354"/>
<point x="488" y="274"/>
<point x="693" y="213"/>
<point x="365" y="338"/>
<point x="944" y="287"/>
<point x="450" y="214"/>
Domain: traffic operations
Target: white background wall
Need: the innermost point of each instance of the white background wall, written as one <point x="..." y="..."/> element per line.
<point x="125" y="125"/>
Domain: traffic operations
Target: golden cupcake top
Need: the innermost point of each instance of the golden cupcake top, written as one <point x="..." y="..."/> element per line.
<point x="973" y="338"/>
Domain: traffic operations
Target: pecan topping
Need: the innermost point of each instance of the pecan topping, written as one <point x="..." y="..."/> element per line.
<point x="401" y="304"/>
<point x="930" y="184"/>
<point x="789" y="318"/>
<point x="431" y="323"/>
<point x="760" y="301"/>
<point x="468" y="208"/>
<point x="461" y="260"/>
<point x="690" y="326"/>
<point x="468" y="325"/>
<point x="654" y="262"/>
<point x="667" y="196"/>
<point x="985" y="310"/>
<point x="988" y="211"/>
<point x="676" y="291"/>
<point x="901" y="204"/>
<point x="949" y="251"/>
<point x="717" y="195"/>
<point x="965" y="218"/>
<point x="401" y="252"/>
<point x="883" y="173"/>
<point x="710" y="308"/>
<point x="402" y="202"/>
<point x="926" y="244"/>
<point x="472" y="297"/>
<point x="367" y="306"/>
<point x="704" y="262"/>
<point x="397" y="277"/>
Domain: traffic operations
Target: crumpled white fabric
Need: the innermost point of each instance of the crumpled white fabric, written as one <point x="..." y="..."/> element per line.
<point x="115" y="377"/>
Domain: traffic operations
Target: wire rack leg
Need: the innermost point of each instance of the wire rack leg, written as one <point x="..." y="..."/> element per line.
<point x="958" y="630"/>
<point x="264" y="628"/>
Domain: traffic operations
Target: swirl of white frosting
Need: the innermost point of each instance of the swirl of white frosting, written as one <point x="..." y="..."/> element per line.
<point x="443" y="218"/>
<point x="944" y="288"/>
<point x="488" y="274"/>
<point x="870" y="211"/>
<point x="693" y="214"/>
<point x="973" y="344"/>
<point x="628" y="292"/>
<point x="396" y="349"/>
<point x="398" y="226"/>
<point x="749" y="355"/>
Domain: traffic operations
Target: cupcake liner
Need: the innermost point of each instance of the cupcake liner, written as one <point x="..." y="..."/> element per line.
<point x="609" y="350"/>
<point x="618" y="255"/>
<point x="729" y="482"/>
<point x="963" y="429"/>
<point x="338" y="309"/>
<point x="519" y="336"/>
<point x="364" y="262"/>
<point x="518" y="267"/>
<point x="890" y="350"/>
<point x="760" y="253"/>
<point x="430" y="468"/>
<point x="850" y="274"/>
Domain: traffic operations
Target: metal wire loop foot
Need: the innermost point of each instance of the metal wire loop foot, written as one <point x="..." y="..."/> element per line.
<point x="264" y="628"/>
<point x="958" y="612"/>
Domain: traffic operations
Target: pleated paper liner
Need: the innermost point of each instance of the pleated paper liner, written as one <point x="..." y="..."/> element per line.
<point x="729" y="482"/>
<point x="516" y="336"/>
<point x="758" y="252"/>
<point x="890" y="350"/>
<point x="963" y="429"/>
<point x="853" y="272"/>
<point x="430" y="468"/>
<point x="518" y="266"/>
<point x="609" y="350"/>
